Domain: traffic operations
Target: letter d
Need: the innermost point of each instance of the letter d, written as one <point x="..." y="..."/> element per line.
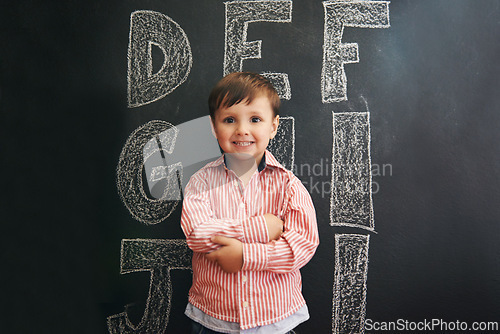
<point x="148" y="29"/>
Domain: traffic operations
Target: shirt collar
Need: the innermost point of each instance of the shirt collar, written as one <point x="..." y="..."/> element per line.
<point x="267" y="161"/>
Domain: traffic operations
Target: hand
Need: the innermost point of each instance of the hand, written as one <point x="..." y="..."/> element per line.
<point x="274" y="226"/>
<point x="230" y="256"/>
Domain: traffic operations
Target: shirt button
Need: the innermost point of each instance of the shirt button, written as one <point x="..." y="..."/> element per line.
<point x="242" y="205"/>
<point x="244" y="279"/>
<point x="245" y="304"/>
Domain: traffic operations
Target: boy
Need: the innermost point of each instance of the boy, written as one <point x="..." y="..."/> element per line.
<point x="250" y="222"/>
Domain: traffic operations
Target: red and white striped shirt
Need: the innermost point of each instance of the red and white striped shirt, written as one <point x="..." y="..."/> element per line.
<point x="268" y="287"/>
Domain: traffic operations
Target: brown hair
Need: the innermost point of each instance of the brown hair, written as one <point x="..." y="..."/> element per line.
<point x="239" y="86"/>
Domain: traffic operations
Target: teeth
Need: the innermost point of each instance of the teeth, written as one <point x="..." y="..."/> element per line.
<point x="243" y="143"/>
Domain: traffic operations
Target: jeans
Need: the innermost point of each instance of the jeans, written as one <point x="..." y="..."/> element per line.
<point x="197" y="328"/>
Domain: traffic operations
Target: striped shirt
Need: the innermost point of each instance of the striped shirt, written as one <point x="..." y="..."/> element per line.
<point x="268" y="287"/>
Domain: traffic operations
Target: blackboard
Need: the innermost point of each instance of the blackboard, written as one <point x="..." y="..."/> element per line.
<point x="413" y="129"/>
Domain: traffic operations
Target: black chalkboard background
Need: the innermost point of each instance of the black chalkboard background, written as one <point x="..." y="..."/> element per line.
<point x="430" y="82"/>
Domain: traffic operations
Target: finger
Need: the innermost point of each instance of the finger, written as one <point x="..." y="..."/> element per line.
<point x="211" y="256"/>
<point x="223" y="241"/>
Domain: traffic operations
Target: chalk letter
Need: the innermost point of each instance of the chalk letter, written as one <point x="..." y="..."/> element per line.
<point x="340" y="14"/>
<point x="351" y="199"/>
<point x="237" y="49"/>
<point x="137" y="153"/>
<point x="159" y="257"/>
<point x="150" y="29"/>
<point x="282" y="146"/>
<point x="349" y="287"/>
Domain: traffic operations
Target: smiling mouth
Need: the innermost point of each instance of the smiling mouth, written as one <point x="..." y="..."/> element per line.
<point x="243" y="143"/>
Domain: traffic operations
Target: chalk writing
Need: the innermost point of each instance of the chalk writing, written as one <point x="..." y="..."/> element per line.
<point x="351" y="201"/>
<point x="138" y="149"/>
<point x="158" y="158"/>
<point x="163" y="179"/>
<point x="340" y="14"/>
<point x="282" y="146"/>
<point x="150" y="29"/>
<point x="238" y="15"/>
<point x="349" y="288"/>
<point x="281" y="84"/>
<point x="159" y="257"/>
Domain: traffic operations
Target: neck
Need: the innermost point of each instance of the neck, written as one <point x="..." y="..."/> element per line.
<point x="242" y="166"/>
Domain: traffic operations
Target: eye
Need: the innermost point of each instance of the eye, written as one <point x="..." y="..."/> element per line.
<point x="255" y="119"/>
<point x="228" y="120"/>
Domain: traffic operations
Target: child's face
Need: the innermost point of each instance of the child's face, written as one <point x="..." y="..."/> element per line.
<point x="246" y="128"/>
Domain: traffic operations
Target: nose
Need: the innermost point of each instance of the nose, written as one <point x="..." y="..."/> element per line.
<point x="242" y="129"/>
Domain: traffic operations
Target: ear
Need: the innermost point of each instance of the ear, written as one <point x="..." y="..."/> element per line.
<point x="275" y="124"/>
<point x="212" y="126"/>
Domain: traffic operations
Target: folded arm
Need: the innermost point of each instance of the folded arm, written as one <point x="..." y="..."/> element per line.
<point x="297" y="244"/>
<point x="199" y="223"/>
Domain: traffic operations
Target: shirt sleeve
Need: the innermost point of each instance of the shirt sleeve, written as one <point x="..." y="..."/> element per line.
<point x="297" y="244"/>
<point x="199" y="223"/>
